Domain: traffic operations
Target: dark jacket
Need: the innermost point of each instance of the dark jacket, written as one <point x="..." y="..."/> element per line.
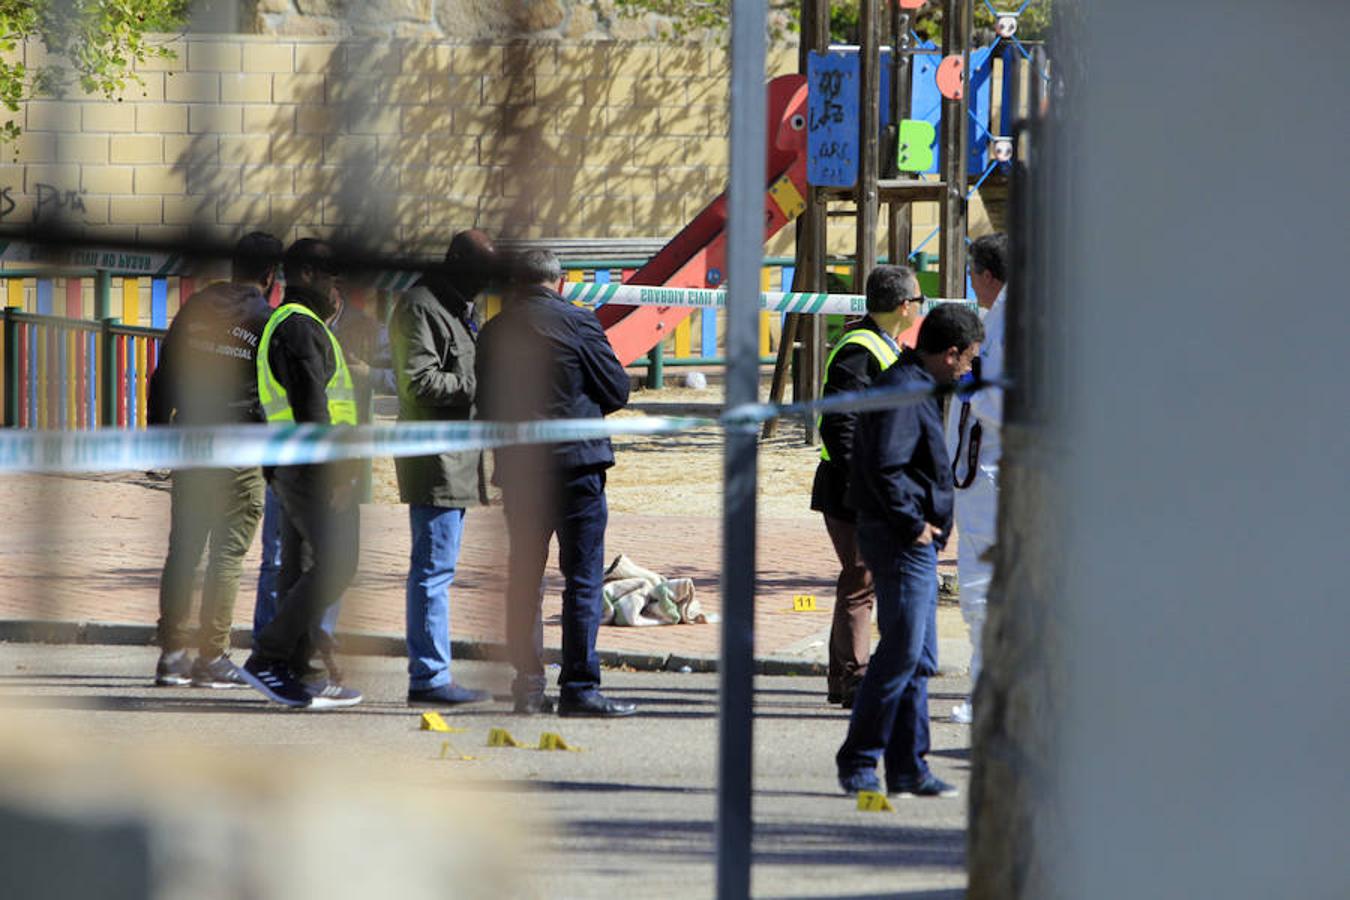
<point x="207" y="372"/>
<point x="301" y="356"/>
<point x="853" y="368"/>
<point x="364" y="340"/>
<point x="543" y="358"/>
<point x="433" y="353"/>
<point x="901" y="473"/>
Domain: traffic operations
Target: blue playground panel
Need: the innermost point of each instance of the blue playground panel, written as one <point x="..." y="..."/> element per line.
<point x="832" y="107"/>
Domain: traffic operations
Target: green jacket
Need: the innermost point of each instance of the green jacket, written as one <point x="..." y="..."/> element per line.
<point x="433" y="356"/>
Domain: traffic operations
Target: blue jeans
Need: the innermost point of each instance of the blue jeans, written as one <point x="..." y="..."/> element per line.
<point x="436" y="533"/>
<point x="890" y="710"/>
<point x="575" y="509"/>
<point x="269" y="570"/>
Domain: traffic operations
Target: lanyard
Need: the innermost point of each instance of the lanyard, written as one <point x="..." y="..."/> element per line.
<point x="976" y="434"/>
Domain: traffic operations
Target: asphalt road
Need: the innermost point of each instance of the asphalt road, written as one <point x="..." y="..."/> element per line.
<point x="630" y="815"/>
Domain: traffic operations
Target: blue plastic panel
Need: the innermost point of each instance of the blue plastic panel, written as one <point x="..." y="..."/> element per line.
<point x="832" y="141"/>
<point x="832" y="119"/>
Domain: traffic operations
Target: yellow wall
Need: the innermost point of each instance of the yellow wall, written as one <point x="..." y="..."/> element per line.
<point x="395" y="141"/>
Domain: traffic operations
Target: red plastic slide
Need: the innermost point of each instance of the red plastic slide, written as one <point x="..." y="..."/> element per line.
<point x="696" y="257"/>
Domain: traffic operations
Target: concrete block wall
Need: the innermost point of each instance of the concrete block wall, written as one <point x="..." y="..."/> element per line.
<point x="395" y="142"/>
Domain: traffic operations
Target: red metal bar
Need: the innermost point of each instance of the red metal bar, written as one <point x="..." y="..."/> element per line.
<point x="74" y="298"/>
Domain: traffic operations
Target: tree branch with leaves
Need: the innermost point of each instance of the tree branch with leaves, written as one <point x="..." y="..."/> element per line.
<point x="93" y="43"/>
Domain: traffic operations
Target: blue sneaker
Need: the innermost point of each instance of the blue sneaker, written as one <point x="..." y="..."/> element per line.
<point x="927" y="786"/>
<point x="861" y="780"/>
<point x="275" y="681"/>
<point x="446" y="695"/>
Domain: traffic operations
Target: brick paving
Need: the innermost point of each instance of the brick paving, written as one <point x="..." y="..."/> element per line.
<point x="90" y="549"/>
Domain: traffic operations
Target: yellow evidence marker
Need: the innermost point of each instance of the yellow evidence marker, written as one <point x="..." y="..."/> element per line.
<point x="804" y="603"/>
<point x="500" y="737"/>
<point x="552" y="741"/>
<point x="450" y="751"/>
<point x="872" y="801"/>
<point x="433" y="722"/>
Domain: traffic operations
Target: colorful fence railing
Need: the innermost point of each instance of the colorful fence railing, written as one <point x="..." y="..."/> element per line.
<point x="72" y="373"/>
<point x="59" y="329"/>
<point x="95" y="294"/>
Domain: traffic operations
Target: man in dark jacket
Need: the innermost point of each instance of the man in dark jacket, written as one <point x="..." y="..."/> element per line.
<point x="901" y="486"/>
<point x="303" y="377"/>
<point x="207" y="376"/>
<point x="543" y="358"/>
<point x="433" y="348"/>
<point x="861" y="355"/>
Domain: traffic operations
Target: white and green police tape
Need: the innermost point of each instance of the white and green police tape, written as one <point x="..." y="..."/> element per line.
<point x="112" y="450"/>
<point x="770" y="301"/>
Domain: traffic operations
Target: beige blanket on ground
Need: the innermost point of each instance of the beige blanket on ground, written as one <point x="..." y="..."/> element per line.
<point x="636" y="596"/>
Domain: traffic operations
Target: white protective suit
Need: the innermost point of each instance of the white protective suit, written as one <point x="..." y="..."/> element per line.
<point x="977" y="505"/>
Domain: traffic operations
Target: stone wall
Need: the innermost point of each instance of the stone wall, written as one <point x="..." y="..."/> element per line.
<point x="465" y="20"/>
<point x="395" y="142"/>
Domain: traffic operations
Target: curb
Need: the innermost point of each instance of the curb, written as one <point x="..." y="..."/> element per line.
<point x="35" y="631"/>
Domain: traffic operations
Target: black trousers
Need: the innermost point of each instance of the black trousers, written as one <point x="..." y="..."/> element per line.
<point x="572" y="506"/>
<point x="320" y="545"/>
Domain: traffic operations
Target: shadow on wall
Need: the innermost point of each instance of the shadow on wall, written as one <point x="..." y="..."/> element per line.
<point x="393" y="146"/>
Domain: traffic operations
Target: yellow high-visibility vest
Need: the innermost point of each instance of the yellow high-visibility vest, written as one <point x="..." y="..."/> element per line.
<point x="878" y="346"/>
<point x="339" y="390"/>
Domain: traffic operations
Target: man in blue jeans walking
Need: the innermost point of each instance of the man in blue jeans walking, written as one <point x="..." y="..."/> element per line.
<point x="901" y="487"/>
<point x="431" y="335"/>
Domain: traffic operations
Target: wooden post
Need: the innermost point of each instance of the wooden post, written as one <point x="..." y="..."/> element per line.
<point x="900" y="224"/>
<point x="811" y="239"/>
<point x="956" y="28"/>
<point x="869" y="121"/>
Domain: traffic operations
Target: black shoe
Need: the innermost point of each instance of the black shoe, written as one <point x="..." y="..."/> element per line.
<point x="861" y="780"/>
<point x="534" y="705"/>
<point x="216" y="673"/>
<point x="276" y="682"/>
<point x="848" y="694"/>
<point x="927" y="786"/>
<point x="596" y="706"/>
<point x="834" y="698"/>
<point x="446" y="695"/>
<point x="174" y="669"/>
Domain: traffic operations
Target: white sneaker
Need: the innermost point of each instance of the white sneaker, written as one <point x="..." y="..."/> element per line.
<point x="330" y="695"/>
<point x="963" y="713"/>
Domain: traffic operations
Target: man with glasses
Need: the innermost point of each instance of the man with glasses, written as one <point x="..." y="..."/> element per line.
<point x="973" y="427"/>
<point x="303" y="377"/>
<point x="901" y="486"/>
<point x="866" y="350"/>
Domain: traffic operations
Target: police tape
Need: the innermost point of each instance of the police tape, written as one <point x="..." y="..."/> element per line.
<point x="109" y="450"/>
<point x="596" y="294"/>
<point x="231" y="446"/>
